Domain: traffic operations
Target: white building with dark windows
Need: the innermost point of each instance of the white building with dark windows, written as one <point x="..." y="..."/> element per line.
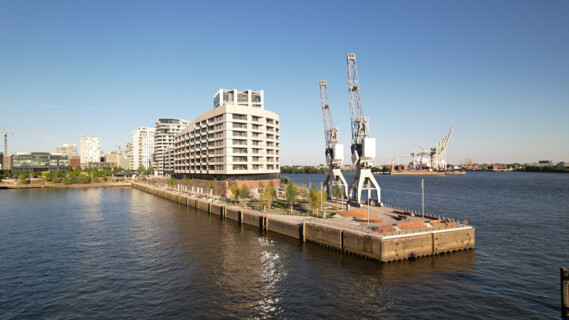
<point x="142" y="148"/>
<point x="166" y="130"/>
<point x="236" y="140"/>
<point x="90" y="150"/>
<point x="68" y="150"/>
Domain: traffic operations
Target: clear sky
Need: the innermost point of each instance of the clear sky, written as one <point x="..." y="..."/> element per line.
<point x="498" y="71"/>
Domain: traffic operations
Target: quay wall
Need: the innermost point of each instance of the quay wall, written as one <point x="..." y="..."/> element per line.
<point x="384" y="248"/>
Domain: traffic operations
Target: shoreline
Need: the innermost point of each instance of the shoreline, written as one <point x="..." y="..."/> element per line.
<point x="63" y="186"/>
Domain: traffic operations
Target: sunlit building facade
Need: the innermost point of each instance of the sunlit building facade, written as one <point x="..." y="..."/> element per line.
<point x="166" y="130"/>
<point x="236" y="140"/>
<point x="142" y="148"/>
<point x="90" y="150"/>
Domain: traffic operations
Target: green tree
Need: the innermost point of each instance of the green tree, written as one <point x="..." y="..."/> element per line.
<point x="266" y="199"/>
<point x="85" y="178"/>
<point x="209" y="186"/>
<point x="268" y="195"/>
<point x="215" y="187"/>
<point x="244" y="192"/>
<point x="23" y="177"/>
<point x="172" y="182"/>
<point x="314" y="199"/>
<point x="272" y="189"/>
<point x="337" y="191"/>
<point x="303" y="192"/>
<point x="290" y="194"/>
<point x="234" y="189"/>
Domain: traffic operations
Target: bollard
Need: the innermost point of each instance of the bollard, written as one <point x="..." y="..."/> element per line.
<point x="565" y="293"/>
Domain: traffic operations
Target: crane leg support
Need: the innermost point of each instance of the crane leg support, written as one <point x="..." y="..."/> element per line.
<point x="335" y="176"/>
<point x="364" y="180"/>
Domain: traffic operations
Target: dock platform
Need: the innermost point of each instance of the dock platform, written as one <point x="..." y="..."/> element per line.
<point x="389" y="235"/>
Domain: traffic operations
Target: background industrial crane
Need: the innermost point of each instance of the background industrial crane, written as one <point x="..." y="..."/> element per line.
<point x="436" y="154"/>
<point x="437" y="160"/>
<point x="6" y="132"/>
<point x="363" y="147"/>
<point x="334" y="149"/>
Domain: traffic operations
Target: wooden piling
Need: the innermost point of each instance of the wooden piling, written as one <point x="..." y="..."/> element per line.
<point x="565" y="293"/>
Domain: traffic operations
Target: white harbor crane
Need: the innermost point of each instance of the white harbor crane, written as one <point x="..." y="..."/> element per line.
<point x="363" y="147"/>
<point x="334" y="149"/>
<point x="437" y="154"/>
<point x="438" y="162"/>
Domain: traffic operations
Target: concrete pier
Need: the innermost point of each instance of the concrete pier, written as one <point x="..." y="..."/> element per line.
<point x="400" y="242"/>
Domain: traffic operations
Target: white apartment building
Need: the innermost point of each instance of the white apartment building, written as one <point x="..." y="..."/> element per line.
<point x="142" y="148"/>
<point x="90" y="150"/>
<point x="68" y="150"/>
<point x="166" y="130"/>
<point x="237" y="140"/>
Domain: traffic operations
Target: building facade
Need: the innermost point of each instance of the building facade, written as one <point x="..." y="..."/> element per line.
<point x="236" y="140"/>
<point x="68" y="150"/>
<point x="90" y="150"/>
<point x="166" y="130"/>
<point x="142" y="148"/>
<point x="29" y="162"/>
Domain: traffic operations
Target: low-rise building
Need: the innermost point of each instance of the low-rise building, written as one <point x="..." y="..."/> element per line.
<point x="74" y="162"/>
<point x="29" y="162"/>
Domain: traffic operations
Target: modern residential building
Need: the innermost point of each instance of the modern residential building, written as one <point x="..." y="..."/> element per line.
<point x="90" y="150"/>
<point x="142" y="148"/>
<point x="37" y="161"/>
<point x="166" y="130"/>
<point x="68" y="150"/>
<point x="236" y="140"/>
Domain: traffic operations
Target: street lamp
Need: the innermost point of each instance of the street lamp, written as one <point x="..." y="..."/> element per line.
<point x="321" y="206"/>
<point x="368" y="210"/>
<point x="423" y="196"/>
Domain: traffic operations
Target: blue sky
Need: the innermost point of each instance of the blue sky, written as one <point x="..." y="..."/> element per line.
<point x="498" y="71"/>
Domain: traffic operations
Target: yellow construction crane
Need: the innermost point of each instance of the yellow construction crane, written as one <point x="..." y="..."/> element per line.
<point x="6" y="132"/>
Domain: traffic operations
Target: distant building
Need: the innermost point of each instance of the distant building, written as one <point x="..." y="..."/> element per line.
<point x="1" y="160"/>
<point x="29" y="162"/>
<point x="113" y="157"/>
<point x="142" y="148"/>
<point x="166" y="130"/>
<point x="237" y="140"/>
<point x="74" y="162"/>
<point x="90" y="150"/>
<point x="68" y="150"/>
<point x="545" y="163"/>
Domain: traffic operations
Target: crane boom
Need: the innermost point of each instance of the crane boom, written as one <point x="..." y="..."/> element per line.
<point x="359" y="123"/>
<point x="6" y="132"/>
<point x="334" y="150"/>
<point x="326" y="113"/>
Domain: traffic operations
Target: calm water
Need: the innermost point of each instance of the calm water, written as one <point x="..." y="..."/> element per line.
<point x="122" y="253"/>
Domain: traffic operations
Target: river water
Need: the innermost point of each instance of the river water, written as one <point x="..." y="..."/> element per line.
<point x="122" y="253"/>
